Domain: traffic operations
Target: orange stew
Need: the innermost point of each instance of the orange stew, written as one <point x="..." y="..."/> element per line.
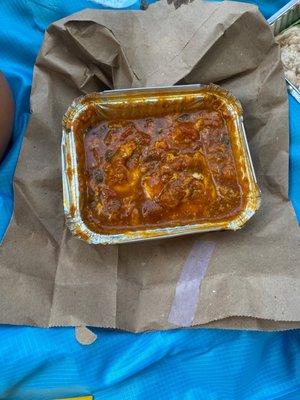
<point x="159" y="171"/>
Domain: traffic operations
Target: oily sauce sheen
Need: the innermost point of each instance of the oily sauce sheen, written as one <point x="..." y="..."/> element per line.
<point x="171" y="170"/>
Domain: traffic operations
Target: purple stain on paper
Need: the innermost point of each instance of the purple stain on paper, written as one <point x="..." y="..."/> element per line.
<point x="185" y="301"/>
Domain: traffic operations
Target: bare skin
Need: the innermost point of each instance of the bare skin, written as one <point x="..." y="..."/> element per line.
<point x="6" y="114"/>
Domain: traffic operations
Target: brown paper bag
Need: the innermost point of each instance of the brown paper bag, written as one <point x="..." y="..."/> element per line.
<point x="49" y="278"/>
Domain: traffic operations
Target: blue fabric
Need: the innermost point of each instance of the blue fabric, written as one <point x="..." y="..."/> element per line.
<point x="180" y="364"/>
<point x="294" y="184"/>
<point x="183" y="364"/>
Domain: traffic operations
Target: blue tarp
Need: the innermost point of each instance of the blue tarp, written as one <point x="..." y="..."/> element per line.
<point x="181" y="364"/>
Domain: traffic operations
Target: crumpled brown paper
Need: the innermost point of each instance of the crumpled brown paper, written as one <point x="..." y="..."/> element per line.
<point x="49" y="278"/>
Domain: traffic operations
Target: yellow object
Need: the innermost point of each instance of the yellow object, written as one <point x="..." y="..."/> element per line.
<point x="77" y="398"/>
